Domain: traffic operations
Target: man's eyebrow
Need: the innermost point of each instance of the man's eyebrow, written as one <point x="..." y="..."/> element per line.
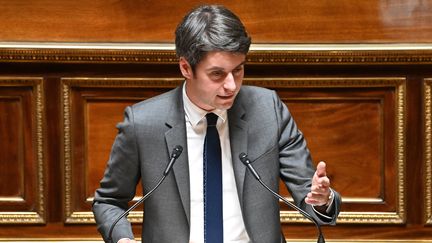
<point x="221" y="68"/>
<point x="215" y="68"/>
<point x="241" y="64"/>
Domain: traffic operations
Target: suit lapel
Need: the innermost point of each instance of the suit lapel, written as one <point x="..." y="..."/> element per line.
<point x="238" y="139"/>
<point x="177" y="136"/>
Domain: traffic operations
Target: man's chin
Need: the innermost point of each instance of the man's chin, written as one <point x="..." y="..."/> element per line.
<point x="225" y="106"/>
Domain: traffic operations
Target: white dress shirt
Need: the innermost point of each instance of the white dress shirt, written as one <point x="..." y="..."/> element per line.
<point x="196" y="127"/>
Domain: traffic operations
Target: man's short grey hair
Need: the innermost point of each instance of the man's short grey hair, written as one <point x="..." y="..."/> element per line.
<point x="210" y="28"/>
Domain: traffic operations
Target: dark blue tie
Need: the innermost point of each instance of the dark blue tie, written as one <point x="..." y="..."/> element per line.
<point x="213" y="225"/>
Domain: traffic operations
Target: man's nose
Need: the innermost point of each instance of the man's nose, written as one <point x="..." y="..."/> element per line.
<point x="230" y="83"/>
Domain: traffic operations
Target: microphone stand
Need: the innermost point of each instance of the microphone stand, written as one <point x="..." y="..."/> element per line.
<point x="245" y="160"/>
<point x="174" y="155"/>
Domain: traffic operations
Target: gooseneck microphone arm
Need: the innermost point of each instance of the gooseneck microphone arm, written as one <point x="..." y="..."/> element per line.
<point x="245" y="160"/>
<point x="174" y="155"/>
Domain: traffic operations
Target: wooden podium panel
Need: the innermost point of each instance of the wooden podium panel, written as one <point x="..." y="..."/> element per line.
<point x="357" y="126"/>
<point x="365" y="112"/>
<point x="22" y="172"/>
<point x="92" y="107"/>
<point x="362" y="99"/>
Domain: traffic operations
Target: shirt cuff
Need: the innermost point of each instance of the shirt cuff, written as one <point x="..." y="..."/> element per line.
<point x="124" y="239"/>
<point x="329" y="206"/>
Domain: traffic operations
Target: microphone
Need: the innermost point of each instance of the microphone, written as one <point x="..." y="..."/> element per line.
<point x="174" y="155"/>
<point x="245" y="160"/>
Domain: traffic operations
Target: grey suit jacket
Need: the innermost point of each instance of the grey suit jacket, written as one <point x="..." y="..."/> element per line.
<point x="259" y="125"/>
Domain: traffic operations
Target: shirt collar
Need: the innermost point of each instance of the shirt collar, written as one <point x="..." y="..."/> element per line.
<point x="195" y="114"/>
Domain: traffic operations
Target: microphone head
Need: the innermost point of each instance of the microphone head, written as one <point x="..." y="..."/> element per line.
<point x="243" y="158"/>
<point x="177" y="151"/>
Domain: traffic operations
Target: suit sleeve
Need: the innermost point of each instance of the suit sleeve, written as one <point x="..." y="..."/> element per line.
<point x="118" y="184"/>
<point x="296" y="167"/>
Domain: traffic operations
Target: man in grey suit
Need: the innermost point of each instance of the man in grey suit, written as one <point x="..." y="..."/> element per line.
<point x="211" y="43"/>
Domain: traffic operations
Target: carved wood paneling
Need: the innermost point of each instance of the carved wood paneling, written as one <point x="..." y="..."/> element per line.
<point x="22" y="194"/>
<point x="363" y="104"/>
<point x="355" y="124"/>
<point x="331" y="89"/>
<point x="163" y="53"/>
<point x="92" y="107"/>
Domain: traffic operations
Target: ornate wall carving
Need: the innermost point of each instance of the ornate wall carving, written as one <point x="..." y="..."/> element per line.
<point x="22" y="199"/>
<point x="361" y="103"/>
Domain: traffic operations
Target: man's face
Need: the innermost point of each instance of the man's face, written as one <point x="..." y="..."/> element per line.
<point x="216" y="81"/>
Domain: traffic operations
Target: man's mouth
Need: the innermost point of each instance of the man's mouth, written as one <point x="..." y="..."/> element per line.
<point x="226" y="97"/>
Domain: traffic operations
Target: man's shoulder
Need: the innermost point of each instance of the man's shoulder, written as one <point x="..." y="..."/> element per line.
<point x="158" y="108"/>
<point x="255" y="94"/>
<point x="156" y="102"/>
<point x="256" y="90"/>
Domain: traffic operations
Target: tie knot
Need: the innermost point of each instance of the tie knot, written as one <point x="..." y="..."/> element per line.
<point x="211" y="119"/>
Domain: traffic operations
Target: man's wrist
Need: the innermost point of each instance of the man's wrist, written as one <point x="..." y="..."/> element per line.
<point x="330" y="198"/>
<point x="325" y="209"/>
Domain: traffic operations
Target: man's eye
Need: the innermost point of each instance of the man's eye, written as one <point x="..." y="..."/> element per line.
<point x="217" y="74"/>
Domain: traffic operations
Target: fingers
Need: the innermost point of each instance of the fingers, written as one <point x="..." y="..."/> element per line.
<point x="316" y="199"/>
<point x="320" y="189"/>
<point x="318" y="196"/>
<point x="321" y="182"/>
<point x="321" y="169"/>
<point x="320" y="179"/>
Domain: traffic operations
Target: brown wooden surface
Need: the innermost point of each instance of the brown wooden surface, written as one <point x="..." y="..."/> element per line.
<point x="94" y="119"/>
<point x="12" y="166"/>
<point x="346" y="129"/>
<point x="349" y="121"/>
<point x="353" y="128"/>
<point x="272" y="21"/>
<point x="19" y="189"/>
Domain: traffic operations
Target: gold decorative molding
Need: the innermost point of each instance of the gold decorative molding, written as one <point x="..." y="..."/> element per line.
<point x="399" y="85"/>
<point x="328" y="82"/>
<point x="122" y="82"/>
<point x="400" y="148"/>
<point x="28" y="217"/>
<point x="67" y="153"/>
<point x="428" y="149"/>
<point x="162" y="53"/>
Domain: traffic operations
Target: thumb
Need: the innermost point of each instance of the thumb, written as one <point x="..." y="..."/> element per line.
<point x="321" y="169"/>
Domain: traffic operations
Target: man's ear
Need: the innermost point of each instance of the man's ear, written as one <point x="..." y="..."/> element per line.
<point x="185" y="68"/>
